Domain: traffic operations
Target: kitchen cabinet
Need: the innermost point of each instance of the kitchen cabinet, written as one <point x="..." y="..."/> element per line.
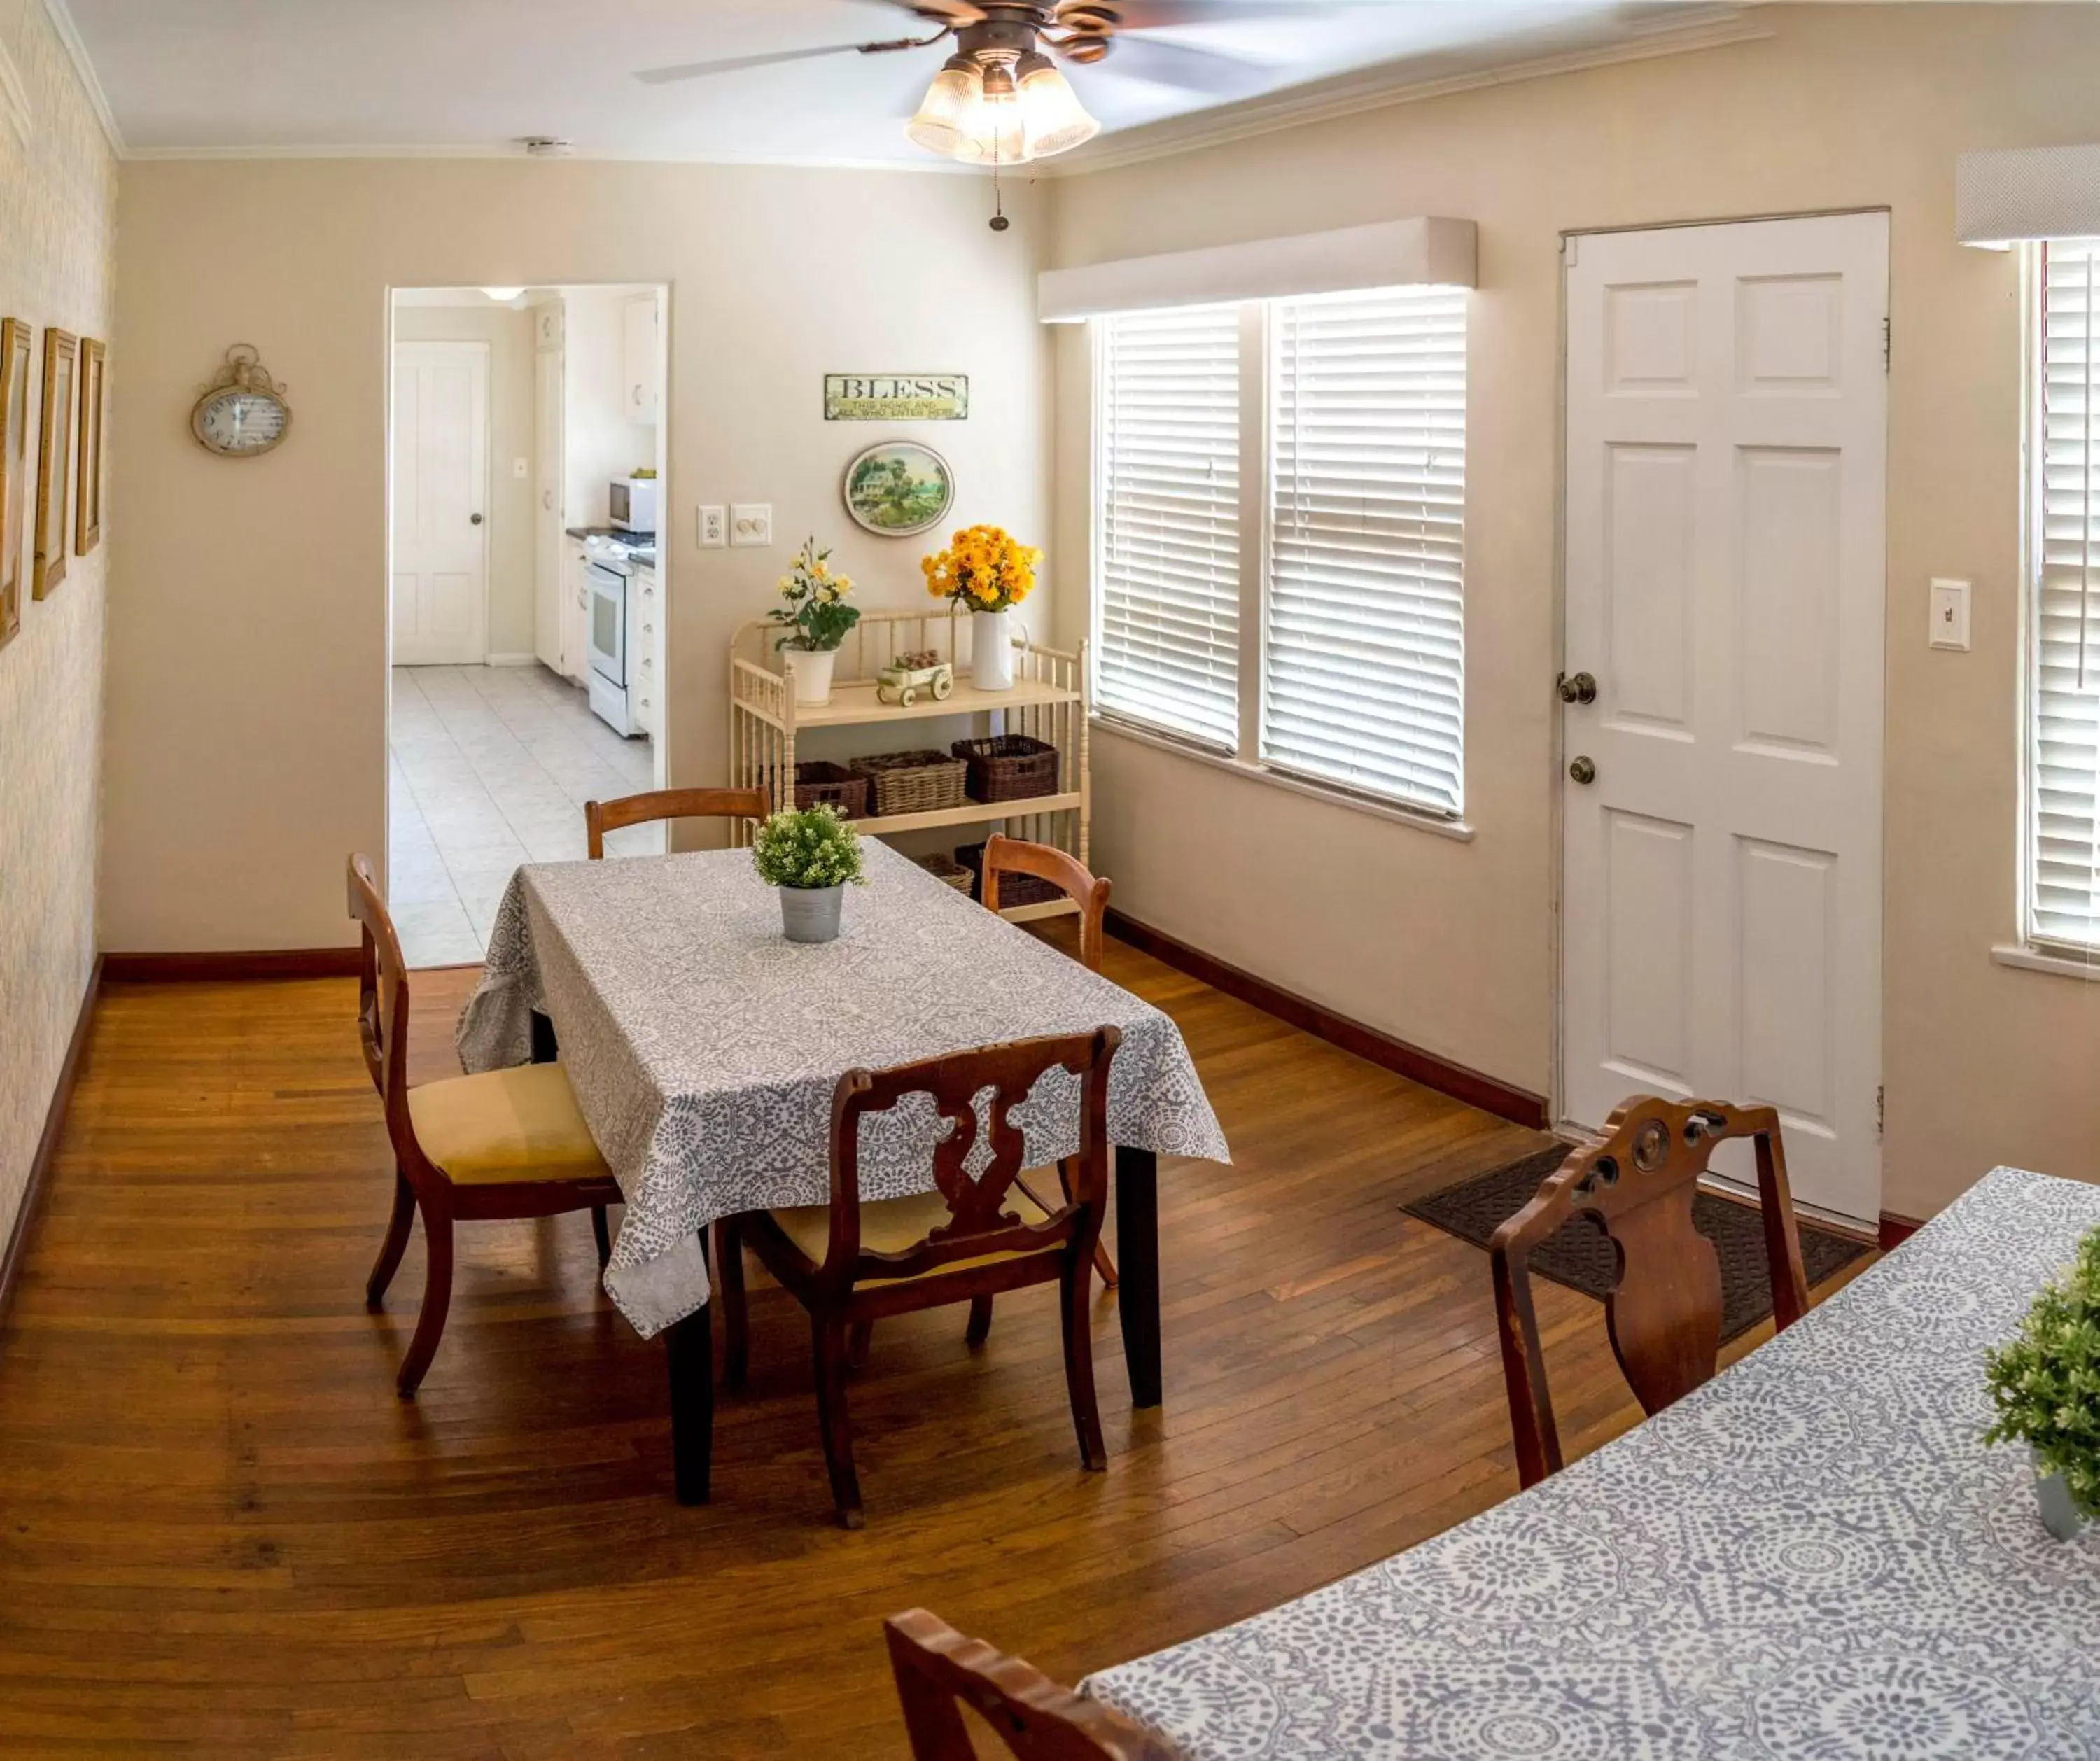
<point x="575" y="615"/>
<point x="645" y="650"/>
<point x="641" y="357"/>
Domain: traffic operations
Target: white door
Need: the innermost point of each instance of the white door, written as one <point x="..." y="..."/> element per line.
<point x="440" y="536"/>
<point x="1722" y="888"/>
<point x="549" y="559"/>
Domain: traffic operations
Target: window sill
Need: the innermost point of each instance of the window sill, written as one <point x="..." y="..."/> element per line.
<point x="1456" y="829"/>
<point x="2024" y="959"/>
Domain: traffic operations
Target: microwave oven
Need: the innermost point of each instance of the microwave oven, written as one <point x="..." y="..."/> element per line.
<point x="633" y="504"/>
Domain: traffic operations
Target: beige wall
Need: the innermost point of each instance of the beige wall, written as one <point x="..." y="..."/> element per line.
<point x="512" y="416"/>
<point x="248" y="637"/>
<point x="58" y="202"/>
<point x="1448" y="945"/>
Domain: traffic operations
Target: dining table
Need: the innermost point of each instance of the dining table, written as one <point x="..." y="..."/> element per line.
<point x="704" y="1048"/>
<point x="1813" y="1557"/>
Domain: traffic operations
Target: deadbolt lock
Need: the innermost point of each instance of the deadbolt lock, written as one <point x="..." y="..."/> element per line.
<point x="1583" y="768"/>
<point x="1578" y="687"/>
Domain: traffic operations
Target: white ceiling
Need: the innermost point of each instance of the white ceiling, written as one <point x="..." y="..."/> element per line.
<point x="204" y="77"/>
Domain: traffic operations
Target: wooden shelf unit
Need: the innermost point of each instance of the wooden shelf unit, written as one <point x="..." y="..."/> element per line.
<point x="1048" y="702"/>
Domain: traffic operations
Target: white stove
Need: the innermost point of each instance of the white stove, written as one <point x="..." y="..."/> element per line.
<point x="622" y="630"/>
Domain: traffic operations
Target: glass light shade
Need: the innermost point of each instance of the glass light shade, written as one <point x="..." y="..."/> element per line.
<point x="1053" y="121"/>
<point x="993" y="133"/>
<point x="950" y="104"/>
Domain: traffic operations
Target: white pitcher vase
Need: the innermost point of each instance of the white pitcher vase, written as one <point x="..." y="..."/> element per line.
<point x="813" y="672"/>
<point x="991" y="650"/>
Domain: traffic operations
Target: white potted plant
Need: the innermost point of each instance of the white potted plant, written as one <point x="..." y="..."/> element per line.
<point x="812" y="855"/>
<point x="817" y="618"/>
<point x="2045" y="1384"/>
<point x="988" y="572"/>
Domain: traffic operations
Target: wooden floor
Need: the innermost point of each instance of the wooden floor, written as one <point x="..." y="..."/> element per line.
<point x="222" y="1534"/>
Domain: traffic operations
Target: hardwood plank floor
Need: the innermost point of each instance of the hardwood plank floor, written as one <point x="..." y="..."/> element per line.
<point x="221" y="1533"/>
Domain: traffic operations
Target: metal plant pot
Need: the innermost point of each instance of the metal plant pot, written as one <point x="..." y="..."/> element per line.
<point x="811" y="913"/>
<point x="2059" y="1516"/>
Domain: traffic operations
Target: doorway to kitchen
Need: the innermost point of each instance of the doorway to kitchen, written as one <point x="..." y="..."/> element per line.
<point x="527" y="446"/>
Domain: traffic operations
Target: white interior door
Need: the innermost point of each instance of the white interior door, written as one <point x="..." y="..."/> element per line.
<point x="548" y="558"/>
<point x="440" y="491"/>
<point x="1722" y="888"/>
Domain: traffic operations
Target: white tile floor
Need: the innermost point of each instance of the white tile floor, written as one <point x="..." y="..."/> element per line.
<point x="490" y="767"/>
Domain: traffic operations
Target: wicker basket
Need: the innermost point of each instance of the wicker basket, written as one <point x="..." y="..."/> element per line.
<point x="1008" y="766"/>
<point x="1013" y="888"/>
<point x="913" y="782"/>
<point x="821" y="783"/>
<point x="950" y="872"/>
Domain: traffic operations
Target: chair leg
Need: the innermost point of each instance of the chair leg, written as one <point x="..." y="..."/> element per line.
<point x="828" y="1339"/>
<point x="436" y="1298"/>
<point x="602" y="1235"/>
<point x="1076" y="1301"/>
<point x="980" y="1328"/>
<point x="858" y="1338"/>
<point x="1102" y="1263"/>
<point x="736" y="1316"/>
<point x="396" y="1243"/>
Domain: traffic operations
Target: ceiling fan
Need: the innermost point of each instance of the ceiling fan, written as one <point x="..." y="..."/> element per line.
<point x="1000" y="99"/>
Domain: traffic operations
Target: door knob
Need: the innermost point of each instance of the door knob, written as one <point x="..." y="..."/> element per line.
<point x="1583" y="769"/>
<point x="1578" y="687"/>
<point x="475" y="517"/>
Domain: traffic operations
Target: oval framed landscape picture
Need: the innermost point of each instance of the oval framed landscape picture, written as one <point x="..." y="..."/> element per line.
<point x="897" y="488"/>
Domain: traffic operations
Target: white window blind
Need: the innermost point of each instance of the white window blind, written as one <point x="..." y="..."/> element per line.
<point x="1364" y="644"/>
<point x="1168" y="637"/>
<point x="2064" y="809"/>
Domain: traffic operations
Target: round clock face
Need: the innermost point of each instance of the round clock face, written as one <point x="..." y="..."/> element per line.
<point x="238" y="421"/>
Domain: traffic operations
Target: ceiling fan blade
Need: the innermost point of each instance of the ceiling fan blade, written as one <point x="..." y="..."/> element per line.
<point x="1162" y="14"/>
<point x="667" y="75"/>
<point x="952" y="13"/>
<point x="1201" y="70"/>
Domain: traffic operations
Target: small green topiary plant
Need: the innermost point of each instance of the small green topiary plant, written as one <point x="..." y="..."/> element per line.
<point x="2046" y="1383"/>
<point x="812" y="848"/>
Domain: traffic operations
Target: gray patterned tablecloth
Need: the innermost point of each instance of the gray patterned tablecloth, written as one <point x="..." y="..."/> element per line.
<point x="1811" y="1557"/>
<point x="703" y="1047"/>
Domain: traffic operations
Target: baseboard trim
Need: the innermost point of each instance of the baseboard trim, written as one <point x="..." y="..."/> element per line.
<point x="1488" y="1093"/>
<point x="219" y="968"/>
<point x="39" y="1181"/>
<point x="1896" y="1230"/>
<point x="512" y="660"/>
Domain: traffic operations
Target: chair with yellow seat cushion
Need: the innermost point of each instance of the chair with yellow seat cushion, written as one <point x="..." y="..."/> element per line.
<point x="506" y="1144"/>
<point x="848" y="1263"/>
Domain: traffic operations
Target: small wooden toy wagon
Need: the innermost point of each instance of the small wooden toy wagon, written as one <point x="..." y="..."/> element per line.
<point x="909" y="674"/>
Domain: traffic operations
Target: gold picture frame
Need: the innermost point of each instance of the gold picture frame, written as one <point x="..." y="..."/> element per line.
<point x="14" y="339"/>
<point x="54" y="459"/>
<point x="87" y="469"/>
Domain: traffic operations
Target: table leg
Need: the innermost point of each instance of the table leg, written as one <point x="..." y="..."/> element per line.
<point x="689" y="1349"/>
<point x="543" y="1048"/>
<point x="1137" y="1249"/>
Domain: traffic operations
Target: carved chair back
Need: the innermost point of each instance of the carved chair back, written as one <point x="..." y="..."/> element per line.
<point x="1067" y="873"/>
<point x="979" y="1221"/>
<point x="1664" y="1313"/>
<point x="602" y="817"/>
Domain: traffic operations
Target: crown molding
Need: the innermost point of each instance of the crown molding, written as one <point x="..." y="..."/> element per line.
<point x="90" y="82"/>
<point x="1350" y="95"/>
<point x="582" y="156"/>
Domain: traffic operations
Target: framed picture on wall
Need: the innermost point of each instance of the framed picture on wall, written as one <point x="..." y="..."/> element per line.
<point x="87" y="494"/>
<point x="899" y="487"/>
<point x="14" y="467"/>
<point x="54" y="459"/>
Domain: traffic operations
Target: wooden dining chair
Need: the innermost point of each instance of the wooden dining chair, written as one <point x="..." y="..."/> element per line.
<point x="602" y="817"/>
<point x="506" y="1144"/>
<point x="939" y="1671"/>
<point x="1664" y="1314"/>
<point x="849" y="1263"/>
<point x="1090" y="891"/>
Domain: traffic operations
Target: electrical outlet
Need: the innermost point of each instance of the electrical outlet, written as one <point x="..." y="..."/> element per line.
<point x="521" y="469"/>
<point x="750" y="522"/>
<point x="713" y="528"/>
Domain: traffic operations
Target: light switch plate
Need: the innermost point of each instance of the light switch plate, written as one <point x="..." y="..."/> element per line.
<point x="750" y="522"/>
<point x="713" y="527"/>
<point x="1950" y="614"/>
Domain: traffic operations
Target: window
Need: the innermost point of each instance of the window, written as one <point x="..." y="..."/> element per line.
<point x="2063" y="757"/>
<point x="1353" y="581"/>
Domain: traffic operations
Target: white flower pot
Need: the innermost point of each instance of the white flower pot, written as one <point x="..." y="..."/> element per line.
<point x="811" y="913"/>
<point x="2059" y="1516"/>
<point x="813" y="672"/>
<point x="991" y="650"/>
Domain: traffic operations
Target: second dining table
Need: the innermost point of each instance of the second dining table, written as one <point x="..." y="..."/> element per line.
<point x="704" y="1048"/>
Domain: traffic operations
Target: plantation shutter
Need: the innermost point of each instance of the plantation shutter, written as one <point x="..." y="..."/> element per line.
<point x="1167" y="642"/>
<point x="1365" y="632"/>
<point x="2064" y="810"/>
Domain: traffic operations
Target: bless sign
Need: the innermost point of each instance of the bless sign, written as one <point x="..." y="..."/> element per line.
<point x="896" y="397"/>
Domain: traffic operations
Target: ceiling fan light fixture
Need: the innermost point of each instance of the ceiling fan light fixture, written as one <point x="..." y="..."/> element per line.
<point x="948" y="108"/>
<point x="993" y="133"/>
<point x="1053" y="121"/>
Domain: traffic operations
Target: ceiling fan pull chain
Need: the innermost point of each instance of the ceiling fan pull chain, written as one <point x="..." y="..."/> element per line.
<point x="1000" y="223"/>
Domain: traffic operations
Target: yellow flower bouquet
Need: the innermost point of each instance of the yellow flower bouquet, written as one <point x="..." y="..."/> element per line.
<point x="985" y="568"/>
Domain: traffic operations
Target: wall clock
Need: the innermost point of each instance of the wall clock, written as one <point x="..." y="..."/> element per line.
<point x="243" y="413"/>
